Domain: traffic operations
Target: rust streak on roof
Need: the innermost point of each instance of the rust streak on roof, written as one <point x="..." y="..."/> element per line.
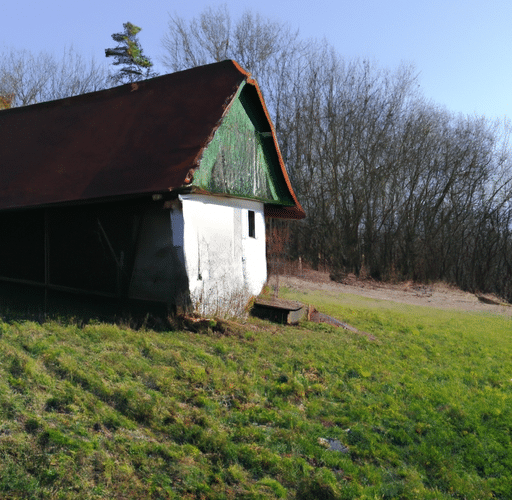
<point x="138" y="138"/>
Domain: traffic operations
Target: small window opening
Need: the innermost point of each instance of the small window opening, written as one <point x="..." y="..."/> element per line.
<point x="252" y="227"/>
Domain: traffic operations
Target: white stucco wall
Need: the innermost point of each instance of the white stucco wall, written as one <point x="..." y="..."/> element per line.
<point x="224" y="264"/>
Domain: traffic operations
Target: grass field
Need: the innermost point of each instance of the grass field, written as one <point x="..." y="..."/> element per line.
<point x="228" y="410"/>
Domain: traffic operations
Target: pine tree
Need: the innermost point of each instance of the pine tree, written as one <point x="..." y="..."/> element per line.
<point x="136" y="66"/>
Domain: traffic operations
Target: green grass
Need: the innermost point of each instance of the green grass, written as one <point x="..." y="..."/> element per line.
<point x="101" y="411"/>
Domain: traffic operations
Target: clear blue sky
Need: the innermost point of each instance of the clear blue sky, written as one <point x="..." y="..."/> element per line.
<point x="462" y="49"/>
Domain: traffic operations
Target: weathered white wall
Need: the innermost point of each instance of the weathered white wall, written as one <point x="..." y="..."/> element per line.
<point x="202" y="246"/>
<point x="224" y="265"/>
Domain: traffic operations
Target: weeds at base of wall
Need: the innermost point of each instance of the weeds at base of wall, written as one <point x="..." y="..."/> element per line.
<point x="220" y="304"/>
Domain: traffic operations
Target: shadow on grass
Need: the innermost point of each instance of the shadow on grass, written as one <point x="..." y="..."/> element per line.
<point x="23" y="302"/>
<point x="26" y="303"/>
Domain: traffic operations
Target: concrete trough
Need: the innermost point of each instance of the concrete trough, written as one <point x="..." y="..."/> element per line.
<point x="288" y="312"/>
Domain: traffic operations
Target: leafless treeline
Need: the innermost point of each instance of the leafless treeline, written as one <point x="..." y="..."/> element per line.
<point x="31" y="78"/>
<point x="393" y="185"/>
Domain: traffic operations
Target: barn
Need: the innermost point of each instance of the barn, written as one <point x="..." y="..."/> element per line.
<point x="156" y="191"/>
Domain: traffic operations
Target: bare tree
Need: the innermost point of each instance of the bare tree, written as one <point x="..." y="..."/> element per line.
<point x="253" y="41"/>
<point x="74" y="76"/>
<point x="33" y="78"/>
<point x="26" y="76"/>
<point x="203" y="40"/>
<point x="268" y="49"/>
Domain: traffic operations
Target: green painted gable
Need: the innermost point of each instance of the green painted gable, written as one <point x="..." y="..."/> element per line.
<point x="241" y="159"/>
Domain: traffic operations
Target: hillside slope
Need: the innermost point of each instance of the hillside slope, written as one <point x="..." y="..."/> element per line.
<point x="255" y="410"/>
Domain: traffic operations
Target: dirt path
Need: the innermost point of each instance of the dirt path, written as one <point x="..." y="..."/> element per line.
<point x="437" y="295"/>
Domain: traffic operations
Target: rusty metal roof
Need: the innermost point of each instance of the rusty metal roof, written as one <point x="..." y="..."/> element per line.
<point x="143" y="137"/>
